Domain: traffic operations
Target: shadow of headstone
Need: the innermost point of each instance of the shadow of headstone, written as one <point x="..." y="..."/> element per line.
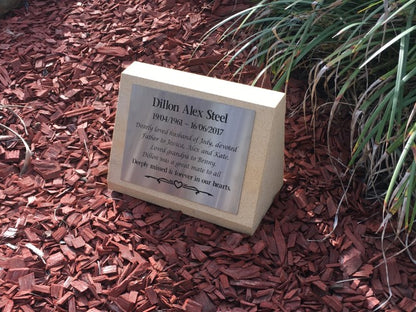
<point x="8" y="5"/>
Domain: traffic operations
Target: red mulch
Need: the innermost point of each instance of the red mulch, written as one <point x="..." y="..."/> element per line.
<point x="67" y="243"/>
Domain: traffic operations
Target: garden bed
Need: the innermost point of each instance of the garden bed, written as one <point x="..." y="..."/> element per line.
<point x="68" y="243"/>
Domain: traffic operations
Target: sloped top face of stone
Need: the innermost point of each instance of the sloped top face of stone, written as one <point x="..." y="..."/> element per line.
<point x="8" y="5"/>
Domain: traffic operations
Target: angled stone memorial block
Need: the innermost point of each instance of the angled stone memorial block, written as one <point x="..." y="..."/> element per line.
<point x="210" y="148"/>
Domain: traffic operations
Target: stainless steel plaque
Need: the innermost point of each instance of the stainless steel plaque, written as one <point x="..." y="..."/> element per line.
<point x="187" y="147"/>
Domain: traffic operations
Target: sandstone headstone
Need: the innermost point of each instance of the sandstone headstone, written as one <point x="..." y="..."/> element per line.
<point x="210" y="148"/>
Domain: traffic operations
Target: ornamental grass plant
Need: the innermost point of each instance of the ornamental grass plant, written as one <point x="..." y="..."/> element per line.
<point x="363" y="53"/>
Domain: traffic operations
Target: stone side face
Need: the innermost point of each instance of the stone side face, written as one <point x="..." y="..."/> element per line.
<point x="263" y="173"/>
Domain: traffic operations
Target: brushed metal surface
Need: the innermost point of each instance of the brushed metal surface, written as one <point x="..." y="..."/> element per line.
<point x="187" y="147"/>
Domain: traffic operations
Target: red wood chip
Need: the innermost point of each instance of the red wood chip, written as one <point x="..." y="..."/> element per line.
<point x="332" y="207"/>
<point x="168" y="252"/>
<point x="68" y="252"/>
<point x="72" y="304"/>
<point x="258" y="284"/>
<point x="109" y="269"/>
<point x="47" y="169"/>
<point x="12" y="156"/>
<point x="242" y="273"/>
<point x="14" y="274"/>
<point x="151" y="295"/>
<point x="8" y="305"/>
<point x="372" y="302"/>
<point x="26" y="282"/>
<point x="280" y="242"/>
<point x="351" y="261"/>
<point x="59" y="233"/>
<point x="44" y="289"/>
<point x="258" y="247"/>
<point x="242" y="250"/>
<point x="64" y="298"/>
<point x="320" y="285"/>
<point x="300" y="198"/>
<point x="192" y="306"/>
<point x="115" y="51"/>
<point x="333" y="302"/>
<point x="55" y="260"/>
<point x="407" y="304"/>
<point x="27" y="308"/>
<point x="393" y="271"/>
<point x="78" y="242"/>
<point x="57" y="290"/>
<point x="81" y="286"/>
<point x="197" y="253"/>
